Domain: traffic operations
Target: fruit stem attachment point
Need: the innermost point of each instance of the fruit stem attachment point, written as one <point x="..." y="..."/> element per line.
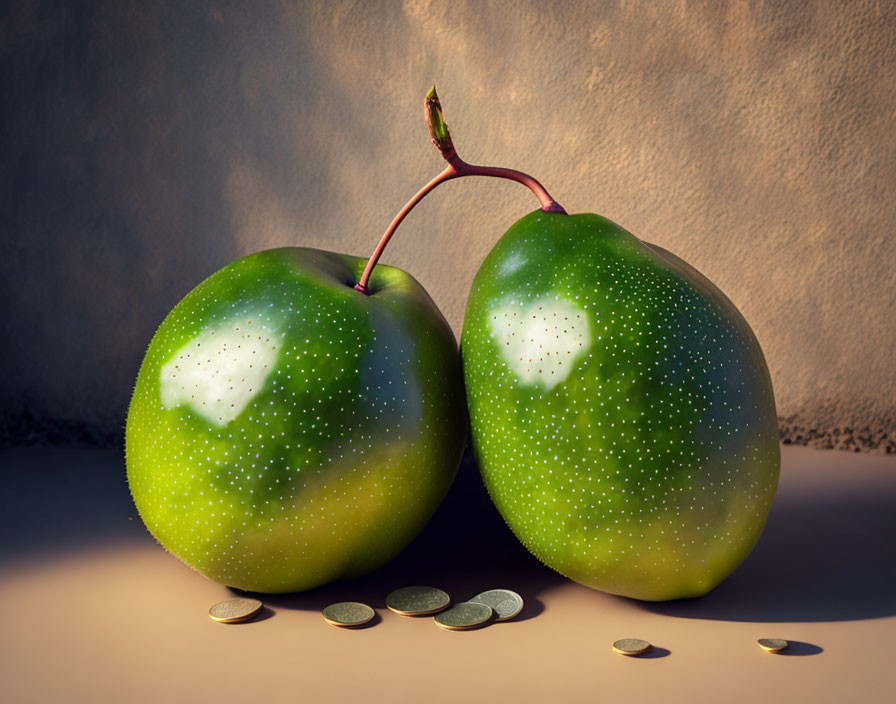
<point x="457" y="168"/>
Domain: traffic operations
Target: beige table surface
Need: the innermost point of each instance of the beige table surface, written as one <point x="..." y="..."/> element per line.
<point x="91" y="609"/>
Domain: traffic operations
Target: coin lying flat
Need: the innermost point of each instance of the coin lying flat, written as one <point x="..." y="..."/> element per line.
<point x="348" y="614"/>
<point x="772" y="645"/>
<point x="464" y="616"/>
<point x="505" y="603"/>
<point x="631" y="646"/>
<point x="417" y="601"/>
<point x="234" y="610"/>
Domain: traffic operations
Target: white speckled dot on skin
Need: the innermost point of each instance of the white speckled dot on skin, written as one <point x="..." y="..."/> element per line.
<point x="287" y="430"/>
<point x="621" y="409"/>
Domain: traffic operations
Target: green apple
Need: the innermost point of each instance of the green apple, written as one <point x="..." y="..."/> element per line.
<point x="287" y="430"/>
<point x="621" y="409"/>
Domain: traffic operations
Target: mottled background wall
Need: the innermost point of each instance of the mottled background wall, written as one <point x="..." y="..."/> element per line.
<point x="146" y="145"/>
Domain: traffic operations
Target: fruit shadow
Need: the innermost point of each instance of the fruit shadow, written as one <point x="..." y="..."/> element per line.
<point x="465" y="549"/>
<point x="58" y="501"/>
<point x="826" y="554"/>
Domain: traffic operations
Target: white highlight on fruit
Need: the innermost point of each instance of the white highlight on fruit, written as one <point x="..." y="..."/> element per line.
<point x="543" y="341"/>
<point x="219" y="372"/>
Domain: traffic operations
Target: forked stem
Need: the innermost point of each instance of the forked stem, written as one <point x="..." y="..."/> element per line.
<point x="456" y="168"/>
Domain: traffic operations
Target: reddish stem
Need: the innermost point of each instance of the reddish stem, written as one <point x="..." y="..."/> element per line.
<point x="456" y="168"/>
<point x="548" y="204"/>
<point x="448" y="174"/>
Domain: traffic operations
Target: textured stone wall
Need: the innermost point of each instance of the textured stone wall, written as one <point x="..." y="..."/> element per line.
<point x="148" y="144"/>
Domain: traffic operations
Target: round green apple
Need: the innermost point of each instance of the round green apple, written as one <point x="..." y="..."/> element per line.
<point x="287" y="430"/>
<point x="621" y="409"/>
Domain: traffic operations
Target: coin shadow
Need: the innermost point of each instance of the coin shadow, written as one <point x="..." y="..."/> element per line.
<point x="263" y="615"/>
<point x="654" y="653"/>
<point x="532" y="607"/>
<point x="800" y="648"/>
<point x="375" y="621"/>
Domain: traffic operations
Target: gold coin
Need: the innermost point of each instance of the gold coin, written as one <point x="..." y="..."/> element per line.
<point x="417" y="601"/>
<point x="234" y="610"/>
<point x="631" y="646"/>
<point x="464" y="616"/>
<point x="772" y="645"/>
<point x="505" y="603"/>
<point x="348" y="614"/>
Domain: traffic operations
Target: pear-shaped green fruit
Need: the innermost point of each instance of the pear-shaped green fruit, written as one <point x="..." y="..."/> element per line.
<point x="621" y="409"/>
<point x="287" y="430"/>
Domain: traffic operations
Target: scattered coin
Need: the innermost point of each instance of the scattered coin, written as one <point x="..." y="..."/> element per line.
<point x="234" y="610"/>
<point x="505" y="603"/>
<point x="464" y="616"/>
<point x="417" y="601"/>
<point x="631" y="646"/>
<point x="772" y="645"/>
<point x="348" y="614"/>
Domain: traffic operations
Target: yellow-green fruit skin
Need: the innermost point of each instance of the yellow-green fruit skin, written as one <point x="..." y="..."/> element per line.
<point x="287" y="430"/>
<point x="621" y="409"/>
